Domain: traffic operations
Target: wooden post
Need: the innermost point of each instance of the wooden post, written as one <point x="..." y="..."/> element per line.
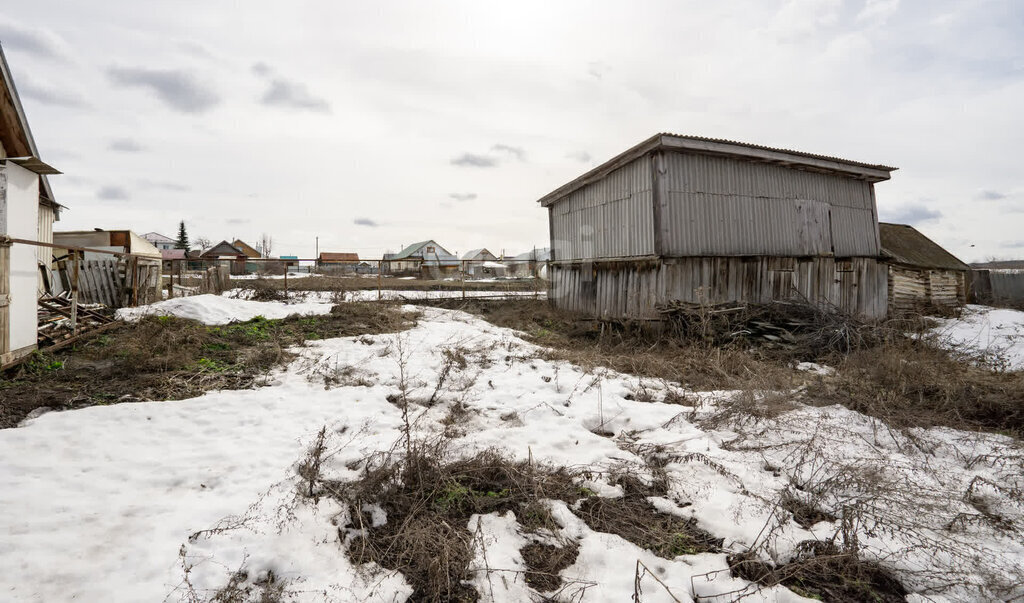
<point x="463" y="279"/>
<point x="5" y="299"/>
<point x="74" y="293"/>
<point x="380" y="277"/>
<point x="286" y="282"/>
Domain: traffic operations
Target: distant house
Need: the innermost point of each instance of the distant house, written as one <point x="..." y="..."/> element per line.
<point x="245" y="248"/>
<point x="160" y="241"/>
<point x="337" y="262"/>
<point x="328" y="258"/>
<point x="426" y="258"/>
<point x="529" y="264"/>
<point x="290" y="261"/>
<point x="173" y="260"/>
<point x="479" y="255"/>
<point x="923" y="276"/>
<point x="226" y="254"/>
<point x="27" y="211"/>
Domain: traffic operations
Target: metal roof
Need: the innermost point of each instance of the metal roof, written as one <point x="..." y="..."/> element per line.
<point x="903" y="244"/>
<point x="411" y="249"/>
<point x="729" y="148"/>
<point x="34" y="164"/>
<point x="330" y="256"/>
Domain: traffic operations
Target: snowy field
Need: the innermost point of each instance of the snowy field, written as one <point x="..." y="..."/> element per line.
<point x="163" y="500"/>
<point x="993" y="333"/>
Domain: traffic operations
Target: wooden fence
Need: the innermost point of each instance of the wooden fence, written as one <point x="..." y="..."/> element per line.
<point x="114" y="282"/>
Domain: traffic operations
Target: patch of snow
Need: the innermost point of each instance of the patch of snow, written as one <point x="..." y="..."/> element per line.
<point x="221" y="310"/>
<point x="816" y="369"/>
<point x="996" y="335"/>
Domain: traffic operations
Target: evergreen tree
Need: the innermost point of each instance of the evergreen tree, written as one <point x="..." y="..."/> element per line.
<point x="182" y="242"/>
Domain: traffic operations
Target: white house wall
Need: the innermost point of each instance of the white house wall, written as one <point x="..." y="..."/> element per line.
<point x="20" y="199"/>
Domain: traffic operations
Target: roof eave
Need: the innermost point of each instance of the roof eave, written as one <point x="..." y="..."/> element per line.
<point x="673" y="142"/>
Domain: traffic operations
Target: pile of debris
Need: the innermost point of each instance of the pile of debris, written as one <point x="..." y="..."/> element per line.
<point x="793" y="326"/>
<point x="60" y="323"/>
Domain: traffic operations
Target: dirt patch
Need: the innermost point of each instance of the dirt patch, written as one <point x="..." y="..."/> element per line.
<point x="821" y="572"/>
<point x="167" y="358"/>
<point x="545" y="561"/>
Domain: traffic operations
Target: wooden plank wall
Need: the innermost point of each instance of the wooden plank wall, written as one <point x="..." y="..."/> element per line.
<point x="112" y="282"/>
<point x="920" y="291"/>
<point x="633" y="290"/>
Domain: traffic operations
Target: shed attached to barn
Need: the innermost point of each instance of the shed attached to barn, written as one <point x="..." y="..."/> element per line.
<point x="713" y="221"/>
<point x="922" y="276"/>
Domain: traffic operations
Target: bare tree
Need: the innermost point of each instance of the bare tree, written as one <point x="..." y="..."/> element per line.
<point x="203" y="243"/>
<point x="266" y="244"/>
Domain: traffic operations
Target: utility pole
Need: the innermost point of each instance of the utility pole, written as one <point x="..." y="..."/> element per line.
<point x="318" y="248"/>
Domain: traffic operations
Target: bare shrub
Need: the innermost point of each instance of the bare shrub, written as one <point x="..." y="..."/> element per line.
<point x="428" y="497"/>
<point x="820" y="571"/>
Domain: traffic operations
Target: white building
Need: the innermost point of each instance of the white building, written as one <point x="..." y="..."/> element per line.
<point x="27" y="212"/>
<point x="159" y="241"/>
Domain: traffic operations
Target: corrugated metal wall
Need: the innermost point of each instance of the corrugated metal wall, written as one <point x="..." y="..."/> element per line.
<point x="634" y="289"/>
<point x="1007" y="285"/>
<point x="609" y="218"/>
<point x="726" y="206"/>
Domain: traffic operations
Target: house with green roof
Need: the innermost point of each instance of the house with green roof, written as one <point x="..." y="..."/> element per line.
<point x="426" y="259"/>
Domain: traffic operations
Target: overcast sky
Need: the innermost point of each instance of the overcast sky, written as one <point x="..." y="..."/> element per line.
<point x="377" y="124"/>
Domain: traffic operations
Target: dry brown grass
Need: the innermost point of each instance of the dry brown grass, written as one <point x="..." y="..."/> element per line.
<point x="821" y="571"/>
<point x="890" y="370"/>
<point x="910" y="383"/>
<point x="429" y="500"/>
<point x="633" y="349"/>
<point x="166" y="358"/>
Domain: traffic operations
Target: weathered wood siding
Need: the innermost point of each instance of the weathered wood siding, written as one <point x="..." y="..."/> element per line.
<point x="632" y="290"/>
<point x="919" y="291"/>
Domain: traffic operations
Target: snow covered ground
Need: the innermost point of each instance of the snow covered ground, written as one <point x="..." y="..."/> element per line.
<point x="220" y="309"/>
<point x="163" y="500"/>
<point x="993" y="333"/>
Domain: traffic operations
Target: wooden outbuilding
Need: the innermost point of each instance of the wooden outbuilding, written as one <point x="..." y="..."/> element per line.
<point x="922" y="276"/>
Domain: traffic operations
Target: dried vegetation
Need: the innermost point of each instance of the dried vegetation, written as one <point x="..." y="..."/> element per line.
<point x="167" y="358"/>
<point x="892" y="370"/>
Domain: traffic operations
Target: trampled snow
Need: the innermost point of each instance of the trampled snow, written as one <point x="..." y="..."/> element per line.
<point x="100" y="503"/>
